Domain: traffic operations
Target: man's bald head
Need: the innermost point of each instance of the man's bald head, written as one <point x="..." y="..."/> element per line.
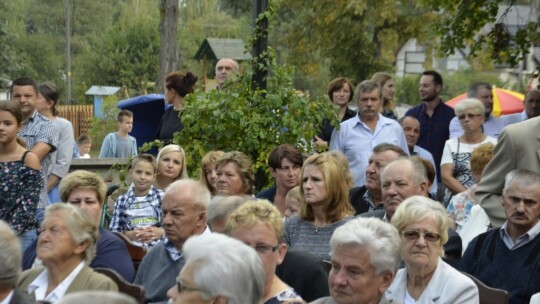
<point x="224" y="69"/>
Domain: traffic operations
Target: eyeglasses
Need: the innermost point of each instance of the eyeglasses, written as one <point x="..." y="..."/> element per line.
<point x="265" y="249"/>
<point x="414" y="235"/>
<point x="469" y="116"/>
<point x="182" y="288"/>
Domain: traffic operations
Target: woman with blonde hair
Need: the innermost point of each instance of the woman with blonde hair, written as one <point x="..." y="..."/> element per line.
<point x="423" y="226"/>
<point x="208" y="173"/>
<point x="259" y="225"/>
<point x="326" y="206"/>
<point x="460" y="206"/>
<point x="171" y="164"/>
<point x="388" y="90"/>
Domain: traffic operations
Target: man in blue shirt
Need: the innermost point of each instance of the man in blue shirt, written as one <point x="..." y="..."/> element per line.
<point x="492" y="125"/>
<point x="411" y="128"/>
<point x="434" y="117"/>
<point x="357" y="136"/>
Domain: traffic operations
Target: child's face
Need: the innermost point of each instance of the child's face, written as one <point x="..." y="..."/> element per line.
<point x="85" y="148"/>
<point x="8" y="127"/>
<point x="292" y="207"/>
<point x="143" y="175"/>
<point x="211" y="175"/>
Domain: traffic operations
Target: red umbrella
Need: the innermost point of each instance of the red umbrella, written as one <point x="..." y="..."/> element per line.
<point x="504" y="101"/>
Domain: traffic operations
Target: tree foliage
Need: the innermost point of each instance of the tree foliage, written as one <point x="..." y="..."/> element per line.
<point x="356" y="38"/>
<point x="460" y="24"/>
<point x="126" y="56"/>
<point x="250" y="120"/>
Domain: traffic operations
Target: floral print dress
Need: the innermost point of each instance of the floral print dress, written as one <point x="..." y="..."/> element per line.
<point x="20" y="187"/>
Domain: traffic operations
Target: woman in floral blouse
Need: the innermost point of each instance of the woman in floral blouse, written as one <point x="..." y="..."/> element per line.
<point x="459" y="208"/>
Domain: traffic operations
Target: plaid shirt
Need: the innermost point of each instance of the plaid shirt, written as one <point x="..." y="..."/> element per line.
<point x="130" y="214"/>
<point x="36" y="129"/>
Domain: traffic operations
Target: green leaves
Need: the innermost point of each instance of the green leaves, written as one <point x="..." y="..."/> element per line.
<point x="475" y="24"/>
<point x="251" y="121"/>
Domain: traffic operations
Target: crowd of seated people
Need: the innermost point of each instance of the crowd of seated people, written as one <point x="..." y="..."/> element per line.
<point x="312" y="237"/>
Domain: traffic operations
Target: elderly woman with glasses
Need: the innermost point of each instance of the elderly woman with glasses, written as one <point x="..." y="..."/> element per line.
<point x="426" y="278"/>
<point x="66" y="246"/>
<point x="259" y="225"/>
<point x="455" y="170"/>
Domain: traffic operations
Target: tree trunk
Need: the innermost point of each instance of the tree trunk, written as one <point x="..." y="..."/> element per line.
<point x="169" y="56"/>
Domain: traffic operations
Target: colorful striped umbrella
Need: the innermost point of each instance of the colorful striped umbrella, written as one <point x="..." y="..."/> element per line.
<point x="504" y="101"/>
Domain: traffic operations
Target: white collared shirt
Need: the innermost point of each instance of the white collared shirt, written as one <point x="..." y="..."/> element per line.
<point x="40" y="285"/>
<point x="522" y="240"/>
<point x="8" y="298"/>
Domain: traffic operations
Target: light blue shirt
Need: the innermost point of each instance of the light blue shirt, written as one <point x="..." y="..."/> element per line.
<point x="492" y="127"/>
<point x="356" y="140"/>
<point x="522" y="240"/>
<point x="425" y="154"/>
<point x="514" y="118"/>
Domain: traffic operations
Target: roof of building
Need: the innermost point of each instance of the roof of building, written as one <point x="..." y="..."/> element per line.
<point x="218" y="48"/>
<point x="102" y="90"/>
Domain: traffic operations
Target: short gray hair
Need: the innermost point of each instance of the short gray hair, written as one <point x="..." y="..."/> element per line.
<point x="221" y="207"/>
<point x="379" y="238"/>
<point x="417" y="208"/>
<point x="418" y="172"/>
<point x="366" y="86"/>
<point x="199" y="192"/>
<point x="522" y="177"/>
<point x="80" y="225"/>
<point x="10" y="257"/>
<point x="215" y="257"/>
<point x="475" y="86"/>
<point x="470" y="103"/>
<point x="97" y="296"/>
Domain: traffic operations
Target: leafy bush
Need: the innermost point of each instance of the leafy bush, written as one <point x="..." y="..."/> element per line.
<point x="250" y="120"/>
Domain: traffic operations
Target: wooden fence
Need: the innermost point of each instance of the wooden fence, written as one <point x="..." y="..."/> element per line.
<point x="79" y="116"/>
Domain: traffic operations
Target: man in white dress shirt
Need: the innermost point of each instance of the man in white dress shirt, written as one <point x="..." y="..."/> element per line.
<point x="357" y="136"/>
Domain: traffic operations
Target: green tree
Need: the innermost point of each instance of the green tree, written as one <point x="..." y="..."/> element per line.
<point x="354" y="38"/>
<point x="252" y="121"/>
<point x="126" y="56"/>
<point x="461" y="24"/>
<point x="201" y="19"/>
